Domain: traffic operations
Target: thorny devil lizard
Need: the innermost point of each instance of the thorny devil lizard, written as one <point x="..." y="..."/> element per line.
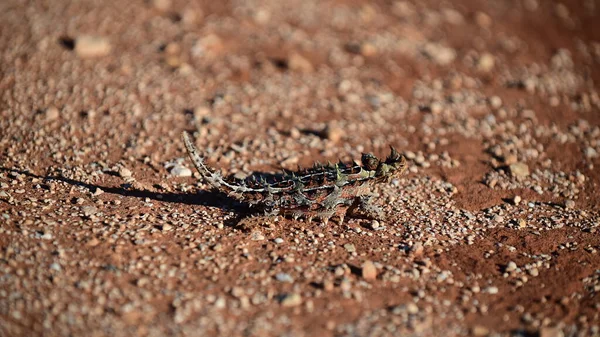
<point x="323" y="191"/>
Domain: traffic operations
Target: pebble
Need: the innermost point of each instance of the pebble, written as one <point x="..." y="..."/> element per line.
<point x="569" y="203"/>
<point x="369" y="271"/>
<point x="299" y="63"/>
<point x="89" y="210"/>
<point x="278" y="241"/>
<point x="125" y="172"/>
<point x="417" y="249"/>
<point x="492" y="290"/>
<point x="180" y="171"/>
<point x="374" y="224"/>
<point x="495" y="102"/>
<point x="350" y="248"/>
<point x="516" y="200"/>
<point x="479" y="331"/>
<point x="511" y="266"/>
<point x="284" y="277"/>
<point x="257" y="236"/>
<point x="162" y="5"/>
<point x="590" y="152"/>
<point x="412" y="308"/>
<point x="334" y="133"/>
<point x="486" y="62"/>
<point x="87" y="46"/>
<point x="408" y="308"/>
<point x="291" y="300"/>
<point x="534" y="272"/>
<point x="519" y="169"/>
<point x="368" y="49"/>
<point x="439" y="54"/>
<point x="52" y="114"/>
<point x="551" y="332"/>
<point x="483" y="20"/>
<point x="510" y="159"/>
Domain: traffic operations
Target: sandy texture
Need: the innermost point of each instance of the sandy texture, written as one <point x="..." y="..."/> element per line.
<point x="106" y="231"/>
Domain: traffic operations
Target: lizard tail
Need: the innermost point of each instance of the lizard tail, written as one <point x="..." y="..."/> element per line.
<point x="213" y="178"/>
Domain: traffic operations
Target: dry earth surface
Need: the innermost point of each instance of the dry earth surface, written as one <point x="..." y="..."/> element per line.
<point x="105" y="230"/>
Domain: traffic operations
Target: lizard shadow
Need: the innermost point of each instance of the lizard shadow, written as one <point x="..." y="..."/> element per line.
<point x="209" y="198"/>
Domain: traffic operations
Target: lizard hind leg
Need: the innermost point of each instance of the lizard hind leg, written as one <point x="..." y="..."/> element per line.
<point x="363" y="207"/>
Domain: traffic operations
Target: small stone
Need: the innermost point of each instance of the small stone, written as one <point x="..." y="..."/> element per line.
<point x="439" y="54"/>
<point x="483" y="20"/>
<point x="209" y="46"/>
<point x="162" y="5"/>
<point x="328" y="285"/>
<point x="368" y="49"/>
<point x="284" y="277"/>
<point x="479" y="331"/>
<point x="125" y="172"/>
<point x="417" y="249"/>
<point x="495" y="102"/>
<point x="334" y="133"/>
<point x="97" y="192"/>
<point x="498" y="218"/>
<point x="551" y="332"/>
<point x="510" y="159"/>
<point x="569" y="204"/>
<point x="453" y="16"/>
<point x="350" y="248"/>
<point x="590" y="152"/>
<point x="89" y="210"/>
<point x="408" y="308"/>
<point x="262" y="16"/>
<point x="369" y="271"/>
<point x="516" y="200"/>
<point x="534" y="272"/>
<point x="290" y="161"/>
<point x="180" y="171"/>
<point x="486" y="62"/>
<point x="291" y="300"/>
<point x="374" y="224"/>
<point x="278" y="241"/>
<point x="511" y="266"/>
<point x="519" y="170"/>
<point x="166" y="227"/>
<point x="522" y="223"/>
<point x="257" y="236"/>
<point x="51" y="114"/>
<point x="87" y="46"/>
<point x="492" y="290"/>
<point x="299" y="63"/>
<point x="412" y="308"/>
<point x="191" y="16"/>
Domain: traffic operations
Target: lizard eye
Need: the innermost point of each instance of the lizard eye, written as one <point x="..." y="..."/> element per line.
<point x="369" y="161"/>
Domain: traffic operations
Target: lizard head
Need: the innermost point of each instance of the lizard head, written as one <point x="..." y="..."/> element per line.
<point x="392" y="166"/>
